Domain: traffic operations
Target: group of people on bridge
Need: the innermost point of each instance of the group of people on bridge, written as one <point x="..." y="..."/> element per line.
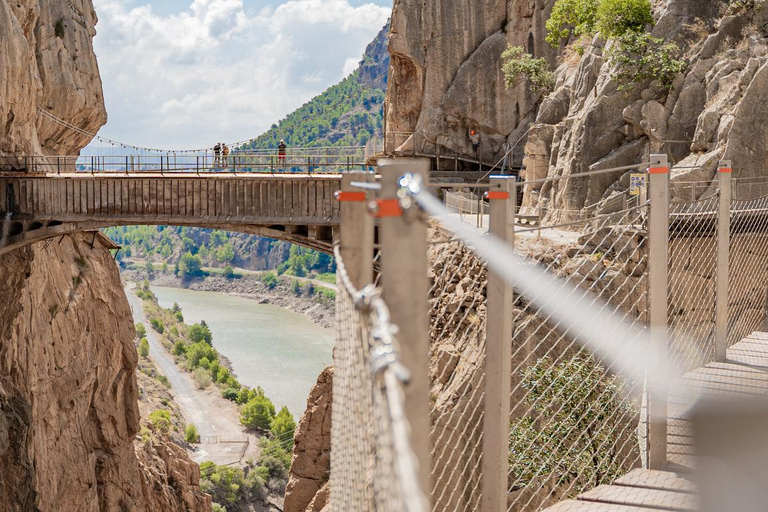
<point x="221" y="156"/>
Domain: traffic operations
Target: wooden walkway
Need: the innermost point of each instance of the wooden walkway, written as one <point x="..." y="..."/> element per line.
<point x="744" y="374"/>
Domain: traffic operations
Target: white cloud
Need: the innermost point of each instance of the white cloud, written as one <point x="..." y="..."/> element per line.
<point x="217" y="71"/>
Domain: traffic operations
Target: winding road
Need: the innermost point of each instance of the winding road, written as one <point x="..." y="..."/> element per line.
<point x="223" y="439"/>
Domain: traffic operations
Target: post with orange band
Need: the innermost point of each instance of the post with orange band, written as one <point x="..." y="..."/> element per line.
<point x="658" y="251"/>
<point x="723" y="259"/>
<point x="356" y="230"/>
<point x="498" y="355"/>
<point x="405" y="288"/>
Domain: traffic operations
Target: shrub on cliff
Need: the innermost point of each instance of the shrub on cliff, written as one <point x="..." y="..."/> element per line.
<point x="618" y="17"/>
<point x="639" y="58"/>
<point x="571" y="398"/>
<point x="202" y="378"/>
<point x="161" y="419"/>
<point x="141" y="330"/>
<point x="230" y="394"/>
<point x="157" y="325"/>
<point x="179" y="348"/>
<point x="611" y="18"/>
<point x="258" y="413"/>
<point x="198" y="351"/>
<point x="283" y="428"/>
<point x="230" y="486"/>
<point x="144" y="347"/>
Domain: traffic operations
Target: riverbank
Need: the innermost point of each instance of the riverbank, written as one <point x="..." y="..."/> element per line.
<point x="308" y="297"/>
<point x="216" y="419"/>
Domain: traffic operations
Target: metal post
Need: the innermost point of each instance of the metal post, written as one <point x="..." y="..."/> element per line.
<point x="357" y="229"/>
<point x="405" y="287"/>
<point x="498" y="357"/>
<point x="658" y="250"/>
<point x="723" y="260"/>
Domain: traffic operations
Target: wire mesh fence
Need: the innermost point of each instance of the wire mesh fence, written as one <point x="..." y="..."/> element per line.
<point x="575" y="422"/>
<point x="691" y="283"/>
<point x="578" y="419"/>
<point x="372" y="465"/>
<point x="748" y="273"/>
<point x="457" y="342"/>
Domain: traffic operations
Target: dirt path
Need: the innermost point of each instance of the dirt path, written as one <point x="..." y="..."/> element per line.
<point x="223" y="439"/>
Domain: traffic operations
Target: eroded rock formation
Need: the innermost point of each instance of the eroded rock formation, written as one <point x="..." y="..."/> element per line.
<point x="311" y="463"/>
<point x="68" y="396"/>
<point x="47" y="62"/>
<point x="445" y="74"/>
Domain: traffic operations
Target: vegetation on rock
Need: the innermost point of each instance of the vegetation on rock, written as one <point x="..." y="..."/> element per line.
<point x="518" y="65"/>
<point x="581" y="410"/>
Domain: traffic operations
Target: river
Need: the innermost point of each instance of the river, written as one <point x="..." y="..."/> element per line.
<point x="279" y="350"/>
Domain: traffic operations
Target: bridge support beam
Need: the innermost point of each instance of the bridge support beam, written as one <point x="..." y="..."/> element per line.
<point x="498" y="356"/>
<point x="723" y="260"/>
<point x="658" y="259"/>
<point x="405" y="286"/>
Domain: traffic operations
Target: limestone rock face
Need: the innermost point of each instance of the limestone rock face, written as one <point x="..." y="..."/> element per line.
<point x="714" y="111"/>
<point x="445" y="79"/>
<point x="445" y="75"/>
<point x="311" y="463"/>
<point x="68" y="396"/>
<point x="47" y="61"/>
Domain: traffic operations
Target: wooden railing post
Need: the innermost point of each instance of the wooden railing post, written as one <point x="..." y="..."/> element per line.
<point x="723" y="260"/>
<point x="658" y="259"/>
<point x="405" y="287"/>
<point x="356" y="229"/>
<point x="498" y="355"/>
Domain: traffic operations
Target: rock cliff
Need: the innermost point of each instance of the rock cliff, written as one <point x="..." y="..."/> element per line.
<point x="307" y="488"/>
<point x="445" y="79"/>
<point x="47" y="62"/>
<point x="445" y="75"/>
<point x="68" y="396"/>
<point x="714" y="111"/>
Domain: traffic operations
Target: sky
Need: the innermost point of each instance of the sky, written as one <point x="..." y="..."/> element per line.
<point x="184" y="74"/>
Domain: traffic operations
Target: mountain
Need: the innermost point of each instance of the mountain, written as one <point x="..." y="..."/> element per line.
<point x="349" y="113"/>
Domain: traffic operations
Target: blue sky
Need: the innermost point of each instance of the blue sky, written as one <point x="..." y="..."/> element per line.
<point x="183" y="74"/>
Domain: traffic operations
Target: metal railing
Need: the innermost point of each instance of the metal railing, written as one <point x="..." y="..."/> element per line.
<point x="298" y="161"/>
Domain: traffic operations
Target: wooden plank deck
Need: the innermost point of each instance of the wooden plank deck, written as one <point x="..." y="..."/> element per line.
<point x="744" y="374"/>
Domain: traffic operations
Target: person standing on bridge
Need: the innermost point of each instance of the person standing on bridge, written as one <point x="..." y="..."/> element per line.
<point x="217" y="155"/>
<point x="225" y="154"/>
<point x="474" y="138"/>
<point x="281" y="153"/>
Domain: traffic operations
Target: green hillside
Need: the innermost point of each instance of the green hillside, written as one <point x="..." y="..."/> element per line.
<point x="348" y="114"/>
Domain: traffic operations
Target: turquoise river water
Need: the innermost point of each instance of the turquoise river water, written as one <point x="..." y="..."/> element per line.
<point x="279" y="350"/>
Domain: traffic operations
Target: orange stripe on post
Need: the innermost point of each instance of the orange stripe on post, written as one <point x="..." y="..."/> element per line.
<point x="351" y="197"/>
<point x="725" y="169"/>
<point x="388" y="208"/>
<point x="658" y="170"/>
<point x="490" y="195"/>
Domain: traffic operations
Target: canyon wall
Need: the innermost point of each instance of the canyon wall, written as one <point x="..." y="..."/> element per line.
<point x="47" y="62"/>
<point x="68" y="396"/>
<point x="445" y="79"/>
<point x="307" y="488"/>
<point x="445" y="74"/>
